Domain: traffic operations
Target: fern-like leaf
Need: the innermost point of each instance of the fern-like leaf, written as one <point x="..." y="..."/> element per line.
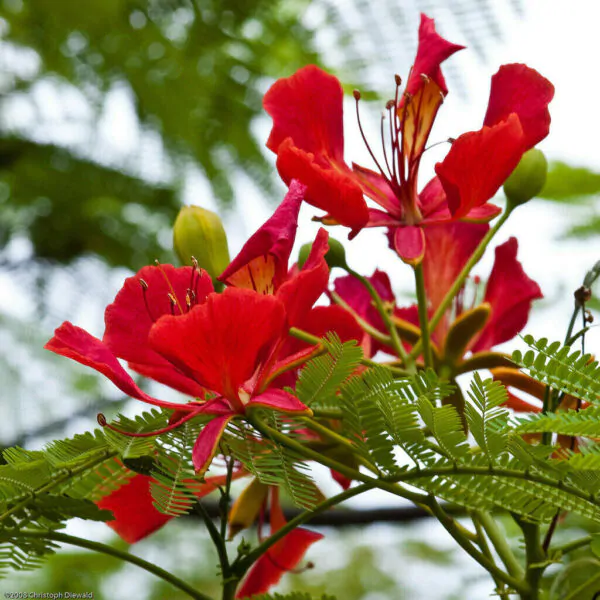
<point x="555" y="365"/>
<point x="364" y="420"/>
<point x="322" y="376"/>
<point x="487" y="421"/>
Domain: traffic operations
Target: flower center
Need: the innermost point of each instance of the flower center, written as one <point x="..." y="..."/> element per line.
<point x="409" y="119"/>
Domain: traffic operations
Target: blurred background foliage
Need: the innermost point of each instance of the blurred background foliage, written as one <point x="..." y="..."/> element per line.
<point x="82" y="203"/>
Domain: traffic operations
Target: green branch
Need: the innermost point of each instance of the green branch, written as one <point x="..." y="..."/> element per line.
<point x="423" y="315"/>
<point x="125" y="556"/>
<point x="491" y="471"/>
<point x="451" y="527"/>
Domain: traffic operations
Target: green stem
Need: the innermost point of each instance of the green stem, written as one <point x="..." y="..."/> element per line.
<point x="372" y="331"/>
<point x="571" y="546"/>
<point x="349" y="472"/>
<point x="125" y="556"/>
<point x="500" y="544"/>
<point x="339" y="440"/>
<point x="423" y="317"/>
<point x="327" y="413"/>
<point x="536" y="558"/>
<point x="303" y="517"/>
<point x="218" y="541"/>
<point x="485" y="549"/>
<point x="450" y="526"/>
<point x="397" y="344"/>
<point x="461" y="278"/>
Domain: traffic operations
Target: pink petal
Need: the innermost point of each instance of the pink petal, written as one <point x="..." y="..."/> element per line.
<point x="280" y="401"/>
<point x="409" y="243"/>
<point x="207" y="441"/>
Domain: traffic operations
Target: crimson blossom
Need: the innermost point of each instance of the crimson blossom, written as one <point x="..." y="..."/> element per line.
<point x="307" y="136"/>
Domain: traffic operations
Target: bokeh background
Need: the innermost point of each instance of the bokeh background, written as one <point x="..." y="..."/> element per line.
<point x="114" y="113"/>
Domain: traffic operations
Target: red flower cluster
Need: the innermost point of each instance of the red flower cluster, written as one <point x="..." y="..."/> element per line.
<point x="307" y="137"/>
<point x="232" y="351"/>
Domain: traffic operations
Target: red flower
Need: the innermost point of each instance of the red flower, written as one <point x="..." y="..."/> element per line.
<point x="226" y="344"/>
<point x="281" y="557"/>
<point x="307" y="137"/>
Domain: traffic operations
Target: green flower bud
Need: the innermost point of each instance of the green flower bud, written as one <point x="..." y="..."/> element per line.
<point x="199" y="233"/>
<point x="335" y="257"/>
<point x="528" y="179"/>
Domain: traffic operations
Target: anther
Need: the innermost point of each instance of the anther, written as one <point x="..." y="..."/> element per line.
<point x="144" y="284"/>
<point x="173" y="302"/>
<point x="451" y="140"/>
<point x="101" y="420"/>
<point x="195" y="263"/>
<point x="356" y="94"/>
<point x="398" y="79"/>
<point x="390" y="104"/>
<point x="188" y="300"/>
<point x="426" y="79"/>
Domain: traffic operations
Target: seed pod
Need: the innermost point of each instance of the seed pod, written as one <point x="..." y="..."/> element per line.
<point x="528" y="179"/>
<point x="199" y="233"/>
<point x="335" y="257"/>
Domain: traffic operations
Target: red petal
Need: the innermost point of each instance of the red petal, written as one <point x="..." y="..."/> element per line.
<point x="334" y="190"/>
<point x="378" y="218"/>
<point x="280" y="401"/>
<point x="308" y="108"/>
<point x="449" y="247"/>
<point x="207" y="441"/>
<point x="262" y="263"/>
<point x="510" y="292"/>
<point x="482" y="214"/>
<point x="520" y="405"/>
<point x="377" y="188"/>
<point x="283" y="556"/>
<point x="409" y="243"/>
<point x="518" y="89"/>
<point x="432" y="198"/>
<point x="129" y="319"/>
<point x="432" y="51"/>
<point x="303" y="289"/>
<point x="223" y="341"/>
<point x="344" y="481"/>
<point x="76" y="343"/>
<point x="132" y="506"/>
<point x="478" y="163"/>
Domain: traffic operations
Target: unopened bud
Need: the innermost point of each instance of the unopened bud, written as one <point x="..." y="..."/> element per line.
<point x="528" y="179"/>
<point x="335" y="257"/>
<point x="199" y="233"/>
